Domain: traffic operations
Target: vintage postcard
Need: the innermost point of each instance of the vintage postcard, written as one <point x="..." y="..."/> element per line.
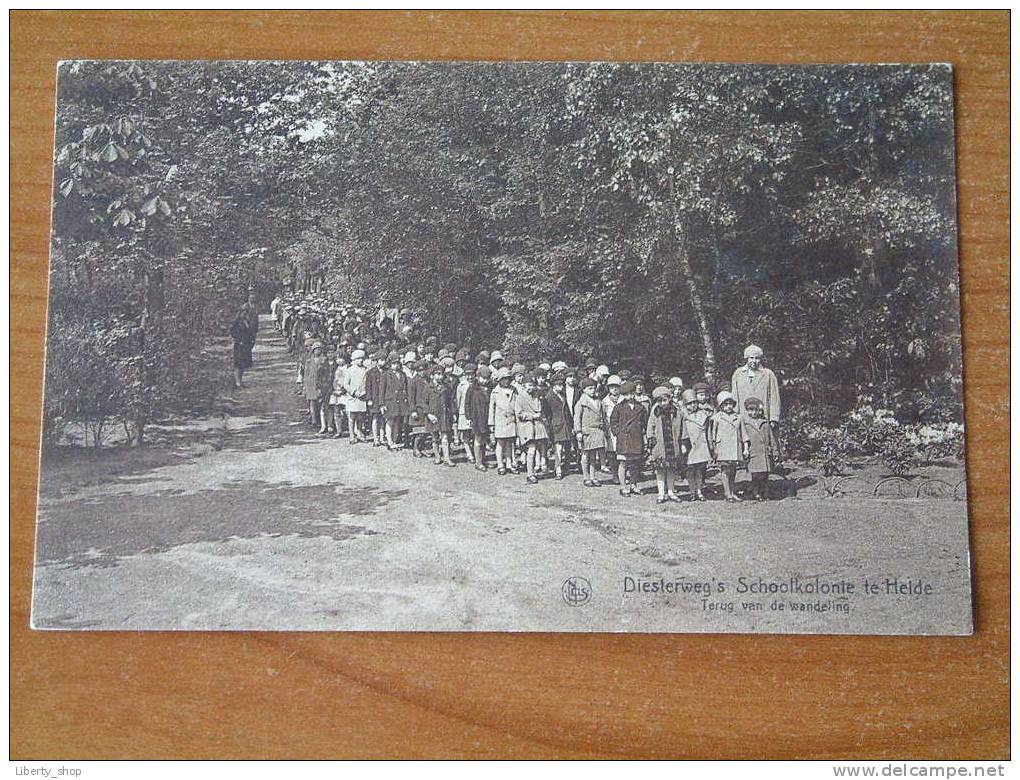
<point x="503" y="347"/>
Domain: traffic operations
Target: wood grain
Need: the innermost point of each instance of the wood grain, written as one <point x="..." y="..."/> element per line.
<point x="460" y="695"/>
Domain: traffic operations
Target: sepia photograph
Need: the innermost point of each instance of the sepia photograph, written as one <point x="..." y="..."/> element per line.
<point x="490" y="346"/>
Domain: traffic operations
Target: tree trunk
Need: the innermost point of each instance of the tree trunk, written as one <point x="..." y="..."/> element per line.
<point x="683" y="262"/>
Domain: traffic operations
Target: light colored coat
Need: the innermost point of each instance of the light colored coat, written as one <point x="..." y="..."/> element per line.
<point x="590" y="423"/>
<point x="339" y="394"/>
<point x="502" y="417"/>
<point x="763" y="386"/>
<point x="728" y="436"/>
<point x="355" y="388"/>
<point x="530" y="423"/>
<point x="695" y="432"/>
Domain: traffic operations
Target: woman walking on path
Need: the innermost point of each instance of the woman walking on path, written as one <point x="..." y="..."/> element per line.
<point x="243" y="331"/>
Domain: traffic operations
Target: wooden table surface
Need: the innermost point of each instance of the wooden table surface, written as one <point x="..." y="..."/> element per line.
<point x="122" y="695"/>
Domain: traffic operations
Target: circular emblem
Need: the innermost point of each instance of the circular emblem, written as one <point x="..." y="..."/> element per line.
<point x="576" y="591"/>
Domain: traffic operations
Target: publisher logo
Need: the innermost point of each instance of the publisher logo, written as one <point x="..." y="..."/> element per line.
<point x="576" y="591"/>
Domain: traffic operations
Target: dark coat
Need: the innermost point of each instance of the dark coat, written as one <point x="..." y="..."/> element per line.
<point x="572" y="397"/>
<point x="476" y="408"/>
<point x="244" y="331"/>
<point x="665" y="426"/>
<point x="763" y="445"/>
<point x="439" y="403"/>
<point x="373" y="388"/>
<point x="417" y="389"/>
<point x="628" y="426"/>
<point x="317" y="378"/>
<point x="395" y="394"/>
<point x="559" y="417"/>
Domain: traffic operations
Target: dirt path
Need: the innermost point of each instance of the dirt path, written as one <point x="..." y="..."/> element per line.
<point x="250" y="521"/>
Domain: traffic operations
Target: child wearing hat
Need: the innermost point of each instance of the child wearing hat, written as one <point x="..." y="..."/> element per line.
<point x="665" y="426"/>
<point x="763" y="447"/>
<point x="476" y="410"/>
<point x="694" y="440"/>
<point x="560" y="420"/>
<point x="627" y="423"/>
<point x="463" y="424"/>
<point x="590" y="430"/>
<point x="728" y="441"/>
<point x="703" y="394"/>
<point x="542" y="386"/>
<point x="503" y="420"/>
<point x="316" y="381"/>
<point x="676" y="389"/>
<point x="531" y="428"/>
<point x="417" y="389"/>
<point x="394" y="401"/>
<point x="356" y="396"/>
<point x="640" y="395"/>
<point x="609" y="402"/>
<point x="373" y="398"/>
<point x="303" y="350"/>
<point x="439" y="416"/>
<point x="333" y="411"/>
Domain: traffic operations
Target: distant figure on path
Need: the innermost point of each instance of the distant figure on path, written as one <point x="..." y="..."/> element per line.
<point x="753" y="380"/>
<point x="243" y="331"/>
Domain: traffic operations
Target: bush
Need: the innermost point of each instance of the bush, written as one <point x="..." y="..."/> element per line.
<point x="867" y="432"/>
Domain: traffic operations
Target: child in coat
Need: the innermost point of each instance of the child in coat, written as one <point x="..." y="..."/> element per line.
<point x="676" y="390"/>
<point x="609" y="402"/>
<point x="476" y="409"/>
<point x="663" y="434"/>
<point x="531" y="429"/>
<point x="641" y="396"/>
<point x="503" y="420"/>
<point x="560" y="421"/>
<point x="315" y="380"/>
<point x="373" y="398"/>
<point x="694" y="441"/>
<point x="590" y="430"/>
<point x="463" y="424"/>
<point x="417" y="388"/>
<point x="763" y="447"/>
<point x="333" y="419"/>
<point x="542" y="386"/>
<point x="627" y="424"/>
<point x="439" y="416"/>
<point x="703" y="393"/>
<point x="394" y="402"/>
<point x="729" y="441"/>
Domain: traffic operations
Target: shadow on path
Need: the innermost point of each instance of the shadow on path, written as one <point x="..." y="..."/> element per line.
<point x="101" y="532"/>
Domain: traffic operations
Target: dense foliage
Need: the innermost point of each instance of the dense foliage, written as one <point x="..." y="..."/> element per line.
<point x="647" y="215"/>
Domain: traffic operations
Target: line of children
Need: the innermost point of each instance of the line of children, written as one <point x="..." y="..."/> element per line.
<point x="602" y="422"/>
